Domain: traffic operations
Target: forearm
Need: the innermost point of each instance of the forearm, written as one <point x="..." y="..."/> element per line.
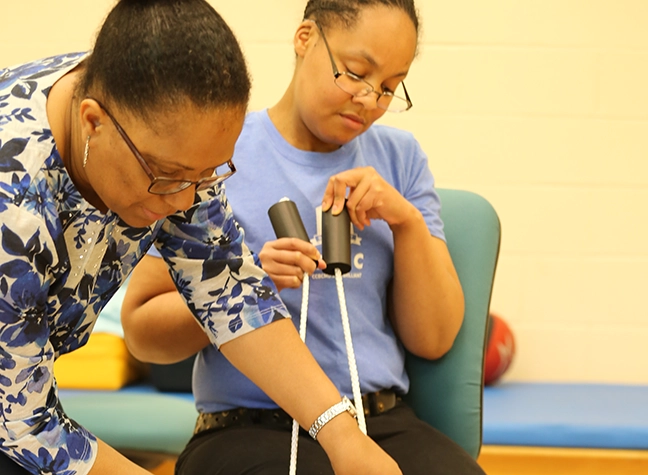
<point x="427" y="300"/>
<point x="158" y="326"/>
<point x="277" y="361"/>
<point x="163" y="330"/>
<point x="111" y="462"/>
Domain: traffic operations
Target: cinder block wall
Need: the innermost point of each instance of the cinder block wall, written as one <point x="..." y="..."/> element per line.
<point x="541" y="107"/>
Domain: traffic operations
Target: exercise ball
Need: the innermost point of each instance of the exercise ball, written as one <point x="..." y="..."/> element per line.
<point x="500" y="349"/>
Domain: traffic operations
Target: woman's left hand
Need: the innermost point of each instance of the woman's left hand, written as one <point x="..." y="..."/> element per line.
<point x="370" y="197"/>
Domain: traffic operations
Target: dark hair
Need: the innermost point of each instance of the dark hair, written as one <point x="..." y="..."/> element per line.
<point x="150" y="55"/>
<point x="346" y="11"/>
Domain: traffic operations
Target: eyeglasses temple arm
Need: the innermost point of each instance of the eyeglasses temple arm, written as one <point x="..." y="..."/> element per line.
<point x="336" y="72"/>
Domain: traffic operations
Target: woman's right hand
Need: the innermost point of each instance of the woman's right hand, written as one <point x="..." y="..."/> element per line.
<point x="366" y="459"/>
<point x="353" y="453"/>
<point x="285" y="261"/>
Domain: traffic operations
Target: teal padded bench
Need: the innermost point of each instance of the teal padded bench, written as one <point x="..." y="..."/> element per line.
<point x="134" y="418"/>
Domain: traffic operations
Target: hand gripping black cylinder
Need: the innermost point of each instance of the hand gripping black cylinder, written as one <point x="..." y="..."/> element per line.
<point x="336" y="241"/>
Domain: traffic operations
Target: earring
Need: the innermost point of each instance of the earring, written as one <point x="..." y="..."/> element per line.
<point x="85" y="152"/>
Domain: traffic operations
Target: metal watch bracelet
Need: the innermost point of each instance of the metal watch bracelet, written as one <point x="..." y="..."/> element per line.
<point x="335" y="410"/>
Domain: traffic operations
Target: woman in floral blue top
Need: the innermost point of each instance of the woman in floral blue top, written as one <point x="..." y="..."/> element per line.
<point x="101" y="156"/>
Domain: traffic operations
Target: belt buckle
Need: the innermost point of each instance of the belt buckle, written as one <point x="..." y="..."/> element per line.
<point x="378" y="402"/>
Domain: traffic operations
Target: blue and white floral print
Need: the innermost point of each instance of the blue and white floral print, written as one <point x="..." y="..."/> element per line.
<point x="61" y="260"/>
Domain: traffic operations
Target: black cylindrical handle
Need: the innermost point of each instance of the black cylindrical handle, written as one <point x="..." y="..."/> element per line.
<point x="336" y="241"/>
<point x="286" y="221"/>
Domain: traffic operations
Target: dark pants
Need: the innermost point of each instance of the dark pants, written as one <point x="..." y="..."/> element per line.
<point x="9" y="467"/>
<point x="417" y="447"/>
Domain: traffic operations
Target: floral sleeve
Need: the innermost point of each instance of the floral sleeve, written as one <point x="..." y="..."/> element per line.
<point x="215" y="272"/>
<point x="34" y="431"/>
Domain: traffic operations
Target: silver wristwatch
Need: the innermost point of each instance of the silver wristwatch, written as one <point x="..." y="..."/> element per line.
<point x="330" y="413"/>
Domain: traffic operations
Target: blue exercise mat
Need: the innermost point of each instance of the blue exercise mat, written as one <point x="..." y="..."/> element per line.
<point x="566" y="415"/>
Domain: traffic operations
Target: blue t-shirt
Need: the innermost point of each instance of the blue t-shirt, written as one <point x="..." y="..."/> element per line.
<point x="269" y="169"/>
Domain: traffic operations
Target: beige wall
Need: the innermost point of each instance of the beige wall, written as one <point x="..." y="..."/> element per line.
<point x="540" y="106"/>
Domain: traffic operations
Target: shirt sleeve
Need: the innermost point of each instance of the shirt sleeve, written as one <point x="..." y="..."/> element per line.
<point x="220" y="279"/>
<point x="420" y="190"/>
<point x="34" y="430"/>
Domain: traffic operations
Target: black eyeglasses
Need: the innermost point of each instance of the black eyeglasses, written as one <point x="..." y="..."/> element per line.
<point x="358" y="87"/>
<point x="162" y="185"/>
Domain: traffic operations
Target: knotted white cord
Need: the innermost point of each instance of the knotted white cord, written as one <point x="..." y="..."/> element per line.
<point x="353" y="369"/>
<point x="302" y="334"/>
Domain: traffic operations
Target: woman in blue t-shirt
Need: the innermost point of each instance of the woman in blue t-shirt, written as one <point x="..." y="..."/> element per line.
<point x="318" y="145"/>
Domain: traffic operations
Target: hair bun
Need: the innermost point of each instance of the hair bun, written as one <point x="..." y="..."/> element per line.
<point x="153" y="54"/>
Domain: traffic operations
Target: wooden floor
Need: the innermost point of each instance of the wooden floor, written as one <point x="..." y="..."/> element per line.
<point x="502" y="460"/>
<point x="165" y="468"/>
<point x="155" y="462"/>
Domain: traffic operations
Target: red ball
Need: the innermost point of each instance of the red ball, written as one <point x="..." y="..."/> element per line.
<point x="500" y="349"/>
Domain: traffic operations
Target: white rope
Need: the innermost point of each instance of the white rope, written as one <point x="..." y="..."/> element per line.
<point x="302" y="334"/>
<point x="353" y="369"/>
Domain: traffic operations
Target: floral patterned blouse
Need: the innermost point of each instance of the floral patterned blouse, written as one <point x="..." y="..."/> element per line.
<point x="61" y="260"/>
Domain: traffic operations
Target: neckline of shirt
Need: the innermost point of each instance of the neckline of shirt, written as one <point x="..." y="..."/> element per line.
<point x="324" y="160"/>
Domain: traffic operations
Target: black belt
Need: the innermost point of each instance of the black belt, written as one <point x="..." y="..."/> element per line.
<point x="373" y="404"/>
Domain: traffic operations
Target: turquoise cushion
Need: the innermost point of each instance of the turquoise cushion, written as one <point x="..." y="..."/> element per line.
<point x="447" y="393"/>
<point x="133" y="419"/>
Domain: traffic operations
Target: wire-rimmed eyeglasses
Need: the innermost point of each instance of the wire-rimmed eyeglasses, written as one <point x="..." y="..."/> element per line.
<point x="358" y="87"/>
<point x="162" y="185"/>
